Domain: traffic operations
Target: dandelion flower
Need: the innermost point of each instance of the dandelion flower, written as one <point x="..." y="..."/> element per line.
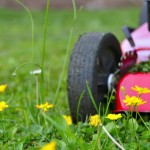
<point x="3" y="105"/>
<point x="133" y="101"/>
<point x="94" y="120"/>
<point x="114" y="116"/>
<point x="141" y="90"/>
<point x="2" y="88"/>
<point x="68" y="119"/>
<point x="45" y="106"/>
<point x="50" y="146"/>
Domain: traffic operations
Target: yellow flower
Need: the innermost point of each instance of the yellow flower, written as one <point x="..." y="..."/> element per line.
<point x="50" y="146"/>
<point x="114" y="116"/>
<point x="3" y="105"/>
<point x="2" y="88"/>
<point x="95" y="120"/>
<point x="133" y="101"/>
<point x="68" y="119"/>
<point x="141" y="90"/>
<point x="45" y="106"/>
<point x="122" y="89"/>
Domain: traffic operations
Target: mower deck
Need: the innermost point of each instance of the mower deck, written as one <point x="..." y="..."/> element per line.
<point x="130" y="80"/>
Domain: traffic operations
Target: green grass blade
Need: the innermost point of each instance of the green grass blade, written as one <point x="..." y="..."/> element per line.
<point x="79" y="104"/>
<point x="67" y="52"/>
<point x="43" y="49"/>
<point x="32" y="24"/>
<point x="91" y="96"/>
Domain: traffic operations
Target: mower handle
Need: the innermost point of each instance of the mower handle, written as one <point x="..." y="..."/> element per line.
<point x="127" y="32"/>
<point x="148" y="14"/>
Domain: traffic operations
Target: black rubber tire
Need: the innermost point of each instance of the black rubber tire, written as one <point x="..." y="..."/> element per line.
<point x="94" y="54"/>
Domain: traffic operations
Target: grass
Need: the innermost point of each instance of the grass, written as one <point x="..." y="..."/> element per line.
<point x="16" y="37"/>
<point x="22" y="125"/>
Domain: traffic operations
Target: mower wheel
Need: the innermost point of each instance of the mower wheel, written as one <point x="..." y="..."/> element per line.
<point x="94" y="58"/>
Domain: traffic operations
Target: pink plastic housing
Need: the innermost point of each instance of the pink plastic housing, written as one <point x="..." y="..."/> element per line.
<point x="130" y="80"/>
<point x="141" y="38"/>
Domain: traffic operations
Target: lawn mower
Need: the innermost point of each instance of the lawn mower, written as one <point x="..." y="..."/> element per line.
<point x="100" y="63"/>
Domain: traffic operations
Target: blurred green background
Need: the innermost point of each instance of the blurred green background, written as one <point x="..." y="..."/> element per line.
<point x="16" y="42"/>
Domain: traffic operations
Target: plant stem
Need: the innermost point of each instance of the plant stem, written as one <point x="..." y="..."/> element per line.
<point x="45" y="33"/>
<point x="79" y="105"/>
<point x="128" y="116"/>
<point x="32" y="24"/>
<point x="3" y="130"/>
<point x="132" y="130"/>
<point x="64" y="65"/>
<point x="67" y="51"/>
<point x="108" y="104"/>
<point x="143" y="121"/>
<point x="98" y="140"/>
<point x="91" y="96"/>
<point x="43" y="49"/>
<point x="117" y="133"/>
<point x="37" y="89"/>
<point x="113" y="140"/>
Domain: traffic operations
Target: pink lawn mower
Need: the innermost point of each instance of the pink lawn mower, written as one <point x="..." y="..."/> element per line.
<point x="99" y="63"/>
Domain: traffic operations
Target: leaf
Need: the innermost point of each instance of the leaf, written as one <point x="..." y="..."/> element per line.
<point x="19" y="146"/>
<point x="133" y="124"/>
<point x="109" y="127"/>
<point x="12" y="132"/>
<point x="131" y="146"/>
<point x="141" y="67"/>
<point x="36" y="129"/>
<point x="144" y="145"/>
<point x="61" y="144"/>
<point x="145" y="135"/>
<point x="94" y="137"/>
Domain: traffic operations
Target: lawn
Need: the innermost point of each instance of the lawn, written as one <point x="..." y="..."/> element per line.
<point x="16" y="41"/>
<point x="23" y="126"/>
